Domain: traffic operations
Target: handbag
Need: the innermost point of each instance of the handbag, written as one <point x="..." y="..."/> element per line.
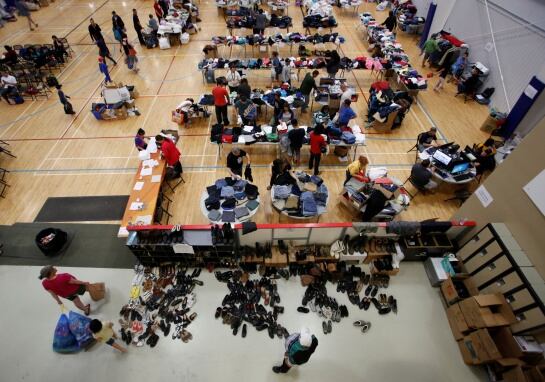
<point x="97" y="291"/>
<point x="177" y="117"/>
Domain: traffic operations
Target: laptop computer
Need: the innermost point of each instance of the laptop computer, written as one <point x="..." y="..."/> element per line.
<point x="459" y="168"/>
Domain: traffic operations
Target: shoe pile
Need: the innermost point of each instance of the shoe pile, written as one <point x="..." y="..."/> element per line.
<point x="385" y="304"/>
<point x="243" y="304"/>
<point x="318" y="301"/>
<point x="222" y="235"/>
<point x="161" y="301"/>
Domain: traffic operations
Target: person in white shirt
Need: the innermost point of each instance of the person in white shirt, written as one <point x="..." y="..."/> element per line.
<point x="285" y="76"/>
<point x="9" y="86"/>
<point x="347" y="93"/>
<point x="233" y="79"/>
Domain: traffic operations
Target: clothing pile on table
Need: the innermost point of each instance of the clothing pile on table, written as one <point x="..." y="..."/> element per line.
<point x="317" y="21"/>
<point x="278" y="4"/>
<point x="450" y="48"/>
<point x="393" y="53"/>
<point x="383" y="101"/>
<point x="349" y="3"/>
<point x="279" y="38"/>
<point x="161" y="301"/>
<point x="229" y="200"/>
<point x="406" y="17"/>
<point x="305" y="199"/>
<point x="320" y="8"/>
<point x="247" y="302"/>
<point x="174" y="22"/>
<point x="377" y="196"/>
<point x="247" y="21"/>
<point x="295" y="62"/>
<point x="239" y="3"/>
<point x="349" y="135"/>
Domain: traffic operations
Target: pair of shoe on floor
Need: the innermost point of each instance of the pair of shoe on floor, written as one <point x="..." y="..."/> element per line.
<point x="364" y="325"/>
<point x="327" y="327"/>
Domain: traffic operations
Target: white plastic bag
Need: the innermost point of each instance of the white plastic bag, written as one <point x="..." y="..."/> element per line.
<point x="184" y="38"/>
<point x="164" y="43"/>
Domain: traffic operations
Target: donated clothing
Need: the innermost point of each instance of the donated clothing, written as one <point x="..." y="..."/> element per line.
<point x="431" y="46"/>
<point x="220" y="96"/>
<point x="61" y="286"/>
<point x="317" y="141"/>
<point x="282" y="192"/>
<point x="170" y="152"/>
<point x="308" y="84"/>
<point x="420" y="175"/>
<point x="356" y="168"/>
<point x="296" y="137"/>
<point x="105" y="333"/>
<point x="235" y="162"/>
<point x="345" y="115"/>
<point x="227" y="192"/>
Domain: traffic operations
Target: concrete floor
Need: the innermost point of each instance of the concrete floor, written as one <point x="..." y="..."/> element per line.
<point x="414" y="345"/>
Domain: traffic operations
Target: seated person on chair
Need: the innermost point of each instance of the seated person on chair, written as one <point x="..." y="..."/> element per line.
<point x="281" y="173"/>
<point x="357" y="168"/>
<point x="469" y="85"/>
<point x="171" y="155"/>
<point x="345" y="114"/>
<point x="485" y="156"/>
<point x="286" y="115"/>
<point x="140" y="140"/>
<point x="427" y="139"/>
<point x="247" y="110"/>
<point x="235" y="162"/>
<point x="421" y="175"/>
<point x="10" y="56"/>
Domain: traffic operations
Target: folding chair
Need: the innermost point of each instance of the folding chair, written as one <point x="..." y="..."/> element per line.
<point x="415" y="147"/>
<point x="417" y="188"/>
<point x="461" y="196"/>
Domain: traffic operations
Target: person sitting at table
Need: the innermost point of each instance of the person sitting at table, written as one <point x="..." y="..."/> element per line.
<point x="427" y="139"/>
<point x="235" y="162"/>
<point x="345" y="114"/>
<point x="286" y="115"/>
<point x="281" y="173"/>
<point x="421" y="175"/>
<point x="171" y="155"/>
<point x="469" y="85"/>
<point x="140" y="140"/>
<point x="244" y="88"/>
<point x="357" y="168"/>
<point x="485" y="156"/>
<point x="247" y="110"/>
<point x="278" y="106"/>
<point x="233" y="79"/>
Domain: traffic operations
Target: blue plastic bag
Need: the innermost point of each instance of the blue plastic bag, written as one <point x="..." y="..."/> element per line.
<point x="63" y="339"/>
<point x="79" y="326"/>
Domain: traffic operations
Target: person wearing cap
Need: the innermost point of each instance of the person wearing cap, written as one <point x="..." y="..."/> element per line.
<point x="104" y="69"/>
<point x="64" y="285"/>
<point x="427" y="139"/>
<point x="299" y="348"/>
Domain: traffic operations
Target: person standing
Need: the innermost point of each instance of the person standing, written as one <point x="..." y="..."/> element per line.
<point x="299" y="347"/>
<point x="68" y="109"/>
<point x="94" y="31"/>
<point x="164" y="7"/>
<point x="345" y="114"/>
<point x="158" y="10"/>
<point x="430" y="47"/>
<point x="25" y="12"/>
<point x="308" y="84"/>
<point x="58" y="46"/>
<point x="103" y="332"/>
<point x="285" y="76"/>
<point x="357" y="168"/>
<point x="347" y="93"/>
<point x="221" y="100"/>
<point x="104" y="70"/>
<point x="444" y="69"/>
<point x="138" y="27"/>
<point x="235" y="162"/>
<point x="64" y="285"/>
<point x="260" y="22"/>
<point x="152" y="23"/>
<point x="333" y="63"/>
<point x="276" y="66"/>
<point x="296" y="137"/>
<point x="317" y="144"/>
<point x="233" y="79"/>
<point x="390" y="22"/>
<point x="171" y="154"/>
<point x="104" y="52"/>
<point x="244" y="89"/>
<point x="118" y="27"/>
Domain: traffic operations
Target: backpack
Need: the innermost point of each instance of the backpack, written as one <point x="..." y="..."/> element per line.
<point x="251" y="191"/>
<point x="487" y="93"/>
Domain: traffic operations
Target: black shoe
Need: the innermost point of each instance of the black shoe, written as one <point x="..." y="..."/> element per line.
<point x="368" y="290"/>
<point x="374" y="292"/>
<point x="324" y="327"/>
<point x="218" y="312"/>
<point x="329" y="326"/>
<point x="244" y="330"/>
<point x="271" y="331"/>
<point x="278" y="369"/>
<point x="302" y="309"/>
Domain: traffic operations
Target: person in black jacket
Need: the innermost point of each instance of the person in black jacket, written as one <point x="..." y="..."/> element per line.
<point x="390" y="22"/>
<point x="137" y="27"/>
<point x="117" y="22"/>
<point x="333" y="63"/>
<point x="94" y="31"/>
<point x="469" y="86"/>
<point x="299" y="347"/>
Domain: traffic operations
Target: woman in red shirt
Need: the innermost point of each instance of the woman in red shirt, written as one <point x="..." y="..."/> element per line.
<point x="64" y="285"/>
<point x="317" y="142"/>
<point x="221" y="99"/>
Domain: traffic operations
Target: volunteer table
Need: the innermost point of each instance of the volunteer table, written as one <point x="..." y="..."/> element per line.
<point x="445" y="175"/>
<point x="144" y="194"/>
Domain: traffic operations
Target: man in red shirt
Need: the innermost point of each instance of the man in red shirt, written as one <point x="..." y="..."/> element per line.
<point x="64" y="285"/>
<point x="221" y="99"/>
<point x="170" y="154"/>
<point x="317" y="142"/>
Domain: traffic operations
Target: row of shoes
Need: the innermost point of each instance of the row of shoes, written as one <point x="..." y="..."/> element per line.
<point x="318" y="301"/>
<point x="246" y="304"/>
<point x="223" y="234"/>
<point x="264" y="250"/>
<point x="158" y="237"/>
<point x="383" y="264"/>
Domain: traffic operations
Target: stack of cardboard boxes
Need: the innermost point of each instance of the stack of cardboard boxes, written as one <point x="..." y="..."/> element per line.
<point x="481" y="326"/>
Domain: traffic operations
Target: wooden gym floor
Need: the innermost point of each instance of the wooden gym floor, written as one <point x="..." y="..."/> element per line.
<point x="61" y="155"/>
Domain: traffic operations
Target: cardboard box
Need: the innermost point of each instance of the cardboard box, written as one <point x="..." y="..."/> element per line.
<point x="490" y="345"/>
<point x="521" y="373"/>
<point x="450" y="292"/>
<point x="486" y="311"/>
<point x="457" y="322"/>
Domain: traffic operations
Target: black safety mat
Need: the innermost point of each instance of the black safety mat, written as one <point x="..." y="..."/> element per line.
<point x="83" y="208"/>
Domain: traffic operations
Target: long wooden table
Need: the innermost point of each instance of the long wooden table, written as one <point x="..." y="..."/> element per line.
<point x="147" y="195"/>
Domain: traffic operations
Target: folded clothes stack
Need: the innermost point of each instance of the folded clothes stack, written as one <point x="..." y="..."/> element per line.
<point x="307" y="198"/>
<point x="288" y="38"/>
<point x="230" y="200"/>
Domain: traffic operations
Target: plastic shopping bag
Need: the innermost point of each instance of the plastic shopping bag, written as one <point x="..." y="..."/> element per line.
<point x="63" y="339"/>
<point x="79" y="326"/>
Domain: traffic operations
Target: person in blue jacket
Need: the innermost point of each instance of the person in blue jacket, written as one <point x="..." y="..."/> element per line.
<point x="104" y="69"/>
<point x="299" y="348"/>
